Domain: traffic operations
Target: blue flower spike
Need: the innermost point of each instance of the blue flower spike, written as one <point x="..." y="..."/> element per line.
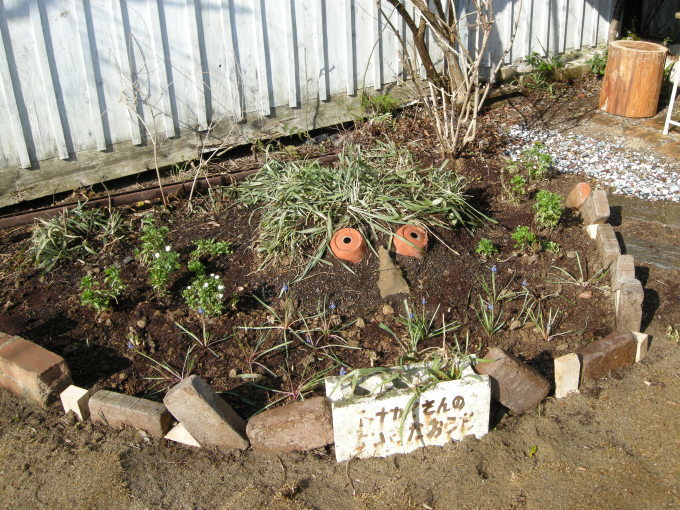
<point x="494" y="269"/>
<point x="332" y="306"/>
<point x="343" y="371"/>
<point x="423" y="301"/>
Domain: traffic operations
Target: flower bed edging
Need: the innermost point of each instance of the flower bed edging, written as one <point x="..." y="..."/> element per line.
<point x="39" y="375"/>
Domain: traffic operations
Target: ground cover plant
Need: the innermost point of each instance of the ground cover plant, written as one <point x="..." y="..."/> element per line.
<point x="242" y="290"/>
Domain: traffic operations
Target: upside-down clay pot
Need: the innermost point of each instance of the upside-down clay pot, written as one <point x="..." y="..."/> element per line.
<point x="348" y="244"/>
<point x="411" y="241"/>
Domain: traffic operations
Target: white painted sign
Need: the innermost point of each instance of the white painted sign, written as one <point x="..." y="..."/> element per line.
<point x="370" y="421"/>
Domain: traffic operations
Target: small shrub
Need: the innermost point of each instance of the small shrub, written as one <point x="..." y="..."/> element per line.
<point x="598" y="63"/>
<point x="524" y="238"/>
<point x="205" y="295"/>
<point x="548" y="208"/>
<point x="100" y="294"/>
<point x="207" y="248"/>
<point x="486" y="248"/>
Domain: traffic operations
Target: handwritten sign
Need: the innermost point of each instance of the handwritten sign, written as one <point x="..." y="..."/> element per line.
<point x="375" y="426"/>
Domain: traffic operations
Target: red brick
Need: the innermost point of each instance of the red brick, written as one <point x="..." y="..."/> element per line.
<point x="295" y="427"/>
<point x="117" y="410"/>
<point x="31" y="371"/>
<point x="514" y="384"/>
<point x="578" y="195"/>
<point x="602" y="356"/>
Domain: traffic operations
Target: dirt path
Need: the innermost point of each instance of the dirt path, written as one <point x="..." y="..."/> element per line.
<point x="614" y="445"/>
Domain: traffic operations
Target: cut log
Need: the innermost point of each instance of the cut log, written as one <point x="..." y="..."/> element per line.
<point x="633" y="78"/>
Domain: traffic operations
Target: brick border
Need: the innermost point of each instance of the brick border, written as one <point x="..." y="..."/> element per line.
<point x="205" y="419"/>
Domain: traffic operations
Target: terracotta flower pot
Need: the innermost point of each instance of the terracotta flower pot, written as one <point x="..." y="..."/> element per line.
<point x="348" y="244"/>
<point x="411" y="241"/>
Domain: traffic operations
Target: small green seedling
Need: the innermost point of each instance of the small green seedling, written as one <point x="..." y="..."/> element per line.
<point x="157" y="255"/>
<point x="206" y="248"/>
<point x="532" y="451"/>
<point x="598" y="63"/>
<point x="524" y="238"/>
<point x="537" y="161"/>
<point x="100" y="294"/>
<point x="486" y="248"/>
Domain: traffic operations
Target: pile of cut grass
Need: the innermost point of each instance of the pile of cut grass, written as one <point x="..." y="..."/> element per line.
<point x="372" y="190"/>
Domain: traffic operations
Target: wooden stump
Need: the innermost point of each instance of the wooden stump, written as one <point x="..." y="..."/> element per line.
<point x="633" y="78"/>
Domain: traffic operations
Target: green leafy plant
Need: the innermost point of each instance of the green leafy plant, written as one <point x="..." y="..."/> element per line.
<point x="379" y="104"/>
<point x="99" y="294"/>
<point x="518" y="186"/>
<point x="537" y="161"/>
<point x="205" y="295"/>
<point x="598" y="63"/>
<point x="74" y="233"/>
<point x="548" y="207"/>
<point x="206" y="248"/>
<point x="524" y="238"/>
<point x="486" y="248"/>
<point x="546" y="323"/>
<point x="543" y="69"/>
<point x="168" y="375"/>
<point x="551" y="246"/>
<point x="303" y="204"/>
<point x="253" y="353"/>
<point x="205" y="339"/>
<point x="157" y="255"/>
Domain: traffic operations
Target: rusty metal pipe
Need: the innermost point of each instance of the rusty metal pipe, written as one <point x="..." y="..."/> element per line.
<point x="130" y="197"/>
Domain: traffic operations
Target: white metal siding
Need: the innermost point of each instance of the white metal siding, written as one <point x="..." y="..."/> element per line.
<point x="84" y="75"/>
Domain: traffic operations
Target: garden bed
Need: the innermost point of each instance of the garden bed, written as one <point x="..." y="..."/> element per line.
<point x="336" y="318"/>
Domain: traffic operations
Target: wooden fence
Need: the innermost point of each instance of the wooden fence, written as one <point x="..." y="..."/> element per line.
<point x="91" y="90"/>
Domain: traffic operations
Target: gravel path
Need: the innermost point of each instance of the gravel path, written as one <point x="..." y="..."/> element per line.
<point x="625" y="171"/>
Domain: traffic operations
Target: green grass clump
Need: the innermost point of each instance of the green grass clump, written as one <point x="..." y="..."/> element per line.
<point x="72" y="234"/>
<point x="379" y="104"/>
<point x="303" y="204"/>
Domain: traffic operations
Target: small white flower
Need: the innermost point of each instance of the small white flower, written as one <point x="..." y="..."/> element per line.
<point x="156" y="255"/>
<point x="205" y="285"/>
<point x="212" y="275"/>
<point x="220" y="287"/>
<point x="167" y="248"/>
<point x="220" y="296"/>
<point x="215" y="276"/>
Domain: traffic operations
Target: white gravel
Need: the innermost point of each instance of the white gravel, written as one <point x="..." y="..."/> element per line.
<point x="625" y="171"/>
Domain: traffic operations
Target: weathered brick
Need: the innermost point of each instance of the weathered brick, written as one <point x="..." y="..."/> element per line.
<point x="567" y="375"/>
<point x="600" y="357"/>
<point x="622" y="268"/>
<point x="77" y="400"/>
<point x="30" y="371"/>
<point x="514" y="384"/>
<point x="607" y="244"/>
<point x="577" y="195"/>
<point x="295" y="427"/>
<point x="628" y="303"/>
<point x="207" y="417"/>
<point x="117" y="410"/>
<point x="595" y="208"/>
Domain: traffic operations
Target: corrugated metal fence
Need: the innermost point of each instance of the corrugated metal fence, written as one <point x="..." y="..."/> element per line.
<point x="90" y="87"/>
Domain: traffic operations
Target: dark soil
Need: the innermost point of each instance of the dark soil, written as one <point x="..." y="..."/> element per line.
<point x="46" y="308"/>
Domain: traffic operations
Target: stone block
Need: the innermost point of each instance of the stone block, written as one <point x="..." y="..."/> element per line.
<point x="622" y="268"/>
<point x="514" y="384"/>
<point x="577" y="195"/>
<point x="592" y="231"/>
<point x="595" y="208"/>
<point x="180" y="434"/>
<point x="642" y="346"/>
<point x="294" y="427"/>
<point x="77" y="400"/>
<point x="32" y="372"/>
<point x="607" y="244"/>
<point x="628" y="304"/>
<point x="117" y="410"/>
<point x="600" y="357"/>
<point x="372" y="420"/>
<point x="207" y="417"/>
<point x="567" y="375"/>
